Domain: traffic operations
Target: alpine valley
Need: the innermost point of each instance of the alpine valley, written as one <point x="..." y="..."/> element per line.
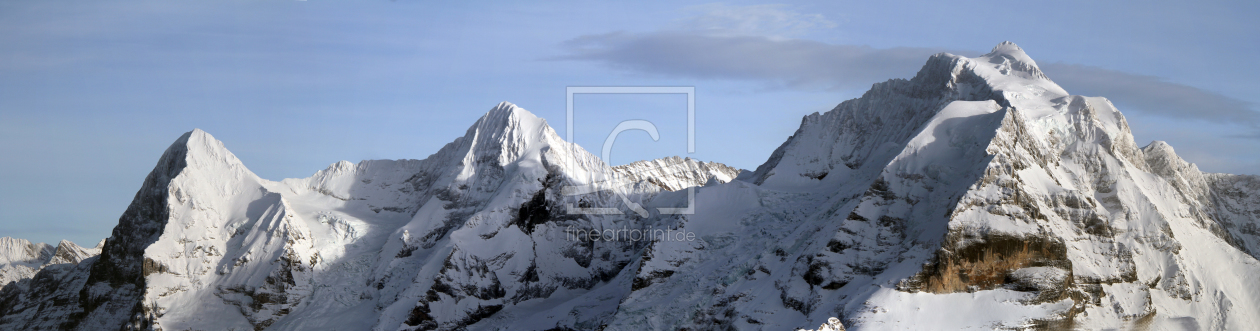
<point x="978" y="194"/>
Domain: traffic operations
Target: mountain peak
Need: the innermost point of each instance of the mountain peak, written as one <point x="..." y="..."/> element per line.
<point x="1007" y="47"/>
<point x="1010" y="59"/>
<point x="22" y="251"/>
<point x="1163" y="160"/>
<point x="198" y="149"/>
<point x="1159" y="146"/>
<point x="507" y="131"/>
<point x="506" y="106"/>
<point x="202" y="144"/>
<point x="504" y="114"/>
<point x="69" y="252"/>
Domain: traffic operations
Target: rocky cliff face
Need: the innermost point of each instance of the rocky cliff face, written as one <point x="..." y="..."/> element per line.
<point x="976" y="194"/>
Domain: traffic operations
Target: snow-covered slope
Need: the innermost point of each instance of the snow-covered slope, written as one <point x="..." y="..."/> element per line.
<point x="977" y="194"/>
<point x="675" y="173"/>
<point x="20" y="259"/>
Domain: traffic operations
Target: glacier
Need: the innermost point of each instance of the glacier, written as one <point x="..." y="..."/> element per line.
<point x="977" y="194"/>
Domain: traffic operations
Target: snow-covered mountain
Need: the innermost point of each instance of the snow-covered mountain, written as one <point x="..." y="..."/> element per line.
<point x="21" y="259"/>
<point x="676" y="173"/>
<point x="976" y="194"/>
<point x="207" y="244"/>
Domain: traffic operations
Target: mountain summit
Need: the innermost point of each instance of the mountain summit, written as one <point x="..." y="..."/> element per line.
<point x="978" y="194"/>
<point x="1011" y="58"/>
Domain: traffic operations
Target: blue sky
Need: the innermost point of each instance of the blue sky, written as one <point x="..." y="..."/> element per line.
<point x="92" y="92"/>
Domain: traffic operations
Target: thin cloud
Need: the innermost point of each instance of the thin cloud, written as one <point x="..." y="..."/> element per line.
<point x="792" y="63"/>
<point x="1152" y="95"/>
<point x="811" y="65"/>
<point x="774" y="21"/>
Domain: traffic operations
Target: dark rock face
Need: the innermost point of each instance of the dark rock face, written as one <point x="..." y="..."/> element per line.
<point x="117" y="276"/>
<point x="533" y="212"/>
<point x="102" y="292"/>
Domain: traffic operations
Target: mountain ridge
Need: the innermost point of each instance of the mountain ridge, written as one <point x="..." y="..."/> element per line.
<point x="976" y="194"/>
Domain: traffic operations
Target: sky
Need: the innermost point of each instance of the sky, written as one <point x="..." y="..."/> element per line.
<point x="92" y="92"/>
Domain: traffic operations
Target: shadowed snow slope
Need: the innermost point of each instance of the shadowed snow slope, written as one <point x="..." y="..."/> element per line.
<point x="977" y="194"/>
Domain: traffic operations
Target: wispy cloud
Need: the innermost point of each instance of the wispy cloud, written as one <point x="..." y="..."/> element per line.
<point x="752" y="43"/>
<point x="793" y="63"/>
<point x="774" y="21"/>
<point x="1152" y="95"/>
